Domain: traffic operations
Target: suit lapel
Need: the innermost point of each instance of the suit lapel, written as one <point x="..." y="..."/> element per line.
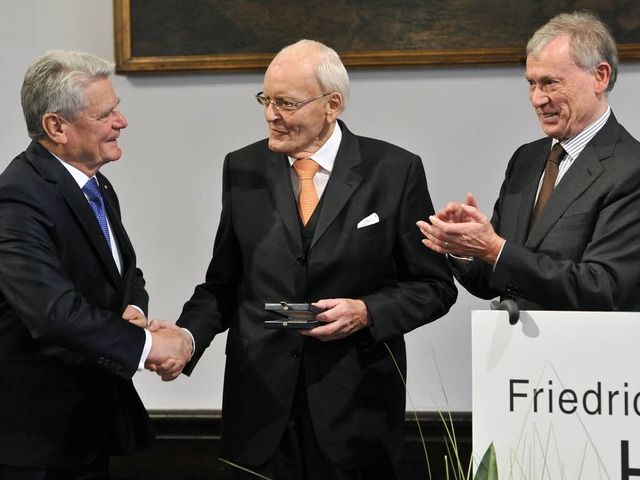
<point x="113" y="212"/>
<point x="343" y="182"/>
<point x="578" y="178"/>
<point x="52" y="171"/>
<point x="529" y="192"/>
<point x="584" y="171"/>
<point x="282" y="193"/>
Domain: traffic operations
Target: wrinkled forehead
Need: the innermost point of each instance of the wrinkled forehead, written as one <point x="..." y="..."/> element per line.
<point x="291" y="70"/>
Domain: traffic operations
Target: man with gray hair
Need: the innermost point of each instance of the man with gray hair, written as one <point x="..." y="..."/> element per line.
<point x="316" y="214"/>
<point x="564" y="230"/>
<point x="72" y="301"/>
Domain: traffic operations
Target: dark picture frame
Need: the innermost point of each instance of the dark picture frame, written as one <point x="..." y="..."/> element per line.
<point x="244" y="35"/>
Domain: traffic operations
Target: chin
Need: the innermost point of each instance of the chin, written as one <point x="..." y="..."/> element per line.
<point x="276" y="146"/>
<point x="110" y="158"/>
<point x="550" y="130"/>
<point x="112" y="155"/>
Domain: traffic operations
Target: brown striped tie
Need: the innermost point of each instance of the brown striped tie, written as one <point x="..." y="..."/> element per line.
<point x="549" y="181"/>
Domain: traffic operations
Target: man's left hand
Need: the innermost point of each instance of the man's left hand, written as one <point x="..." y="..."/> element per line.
<point x="462" y="230"/>
<point x="343" y="316"/>
<point x="135" y="316"/>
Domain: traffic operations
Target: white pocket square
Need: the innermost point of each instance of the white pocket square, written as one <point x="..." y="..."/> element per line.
<point x="370" y="220"/>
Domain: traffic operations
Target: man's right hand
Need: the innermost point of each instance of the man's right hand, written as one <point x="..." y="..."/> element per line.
<point x="170" y="350"/>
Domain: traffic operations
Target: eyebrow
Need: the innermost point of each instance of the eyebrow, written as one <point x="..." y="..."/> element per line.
<point x="541" y="79"/>
<point x="107" y="112"/>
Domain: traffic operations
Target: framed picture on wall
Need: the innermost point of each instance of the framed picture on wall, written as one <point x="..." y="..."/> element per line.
<point x="243" y="35"/>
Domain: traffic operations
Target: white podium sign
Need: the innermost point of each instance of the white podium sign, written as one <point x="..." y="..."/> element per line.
<point x="558" y="394"/>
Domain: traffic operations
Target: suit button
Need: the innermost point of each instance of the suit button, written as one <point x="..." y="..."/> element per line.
<point x="300" y="261"/>
<point x="295" y="352"/>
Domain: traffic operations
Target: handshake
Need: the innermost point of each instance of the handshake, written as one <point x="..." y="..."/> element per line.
<point x="171" y="349"/>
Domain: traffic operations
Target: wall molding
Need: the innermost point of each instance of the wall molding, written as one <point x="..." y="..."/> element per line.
<point x="188" y="444"/>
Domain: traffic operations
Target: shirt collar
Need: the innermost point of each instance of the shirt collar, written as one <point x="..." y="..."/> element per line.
<point x="80" y="178"/>
<point x="576" y="144"/>
<point x="326" y="155"/>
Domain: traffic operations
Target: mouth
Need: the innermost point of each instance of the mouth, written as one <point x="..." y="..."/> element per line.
<point x="277" y="131"/>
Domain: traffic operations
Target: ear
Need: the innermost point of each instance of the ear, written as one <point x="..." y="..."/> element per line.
<point x="602" y="75"/>
<point x="334" y="106"/>
<point x="55" y="127"/>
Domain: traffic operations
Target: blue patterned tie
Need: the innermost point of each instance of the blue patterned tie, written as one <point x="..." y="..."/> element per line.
<point x="92" y="190"/>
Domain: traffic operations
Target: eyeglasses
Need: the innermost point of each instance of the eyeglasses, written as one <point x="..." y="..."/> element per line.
<point x="283" y="105"/>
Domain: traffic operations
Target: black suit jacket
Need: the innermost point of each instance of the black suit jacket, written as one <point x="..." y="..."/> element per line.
<point x="66" y="355"/>
<point x="356" y="396"/>
<point x="583" y="251"/>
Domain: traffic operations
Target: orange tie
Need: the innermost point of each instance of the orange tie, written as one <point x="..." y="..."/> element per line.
<point x="308" y="198"/>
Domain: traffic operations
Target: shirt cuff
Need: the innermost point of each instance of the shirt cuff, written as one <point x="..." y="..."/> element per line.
<point x="468" y="259"/>
<point x="498" y="257"/>
<point x="147" y="348"/>
<point x="193" y="341"/>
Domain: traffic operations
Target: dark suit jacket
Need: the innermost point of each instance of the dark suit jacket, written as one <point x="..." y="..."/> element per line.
<point x="356" y="396"/>
<point x="583" y="251"/>
<point x="66" y="355"/>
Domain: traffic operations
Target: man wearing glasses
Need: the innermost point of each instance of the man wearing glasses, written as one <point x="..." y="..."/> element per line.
<point x="338" y="232"/>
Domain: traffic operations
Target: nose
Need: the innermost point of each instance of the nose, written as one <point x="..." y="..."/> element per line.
<point x="120" y="121"/>
<point x="271" y="113"/>
<point x="538" y="97"/>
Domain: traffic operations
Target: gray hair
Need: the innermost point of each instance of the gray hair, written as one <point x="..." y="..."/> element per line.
<point x="330" y="71"/>
<point x="591" y="41"/>
<point x="55" y="83"/>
